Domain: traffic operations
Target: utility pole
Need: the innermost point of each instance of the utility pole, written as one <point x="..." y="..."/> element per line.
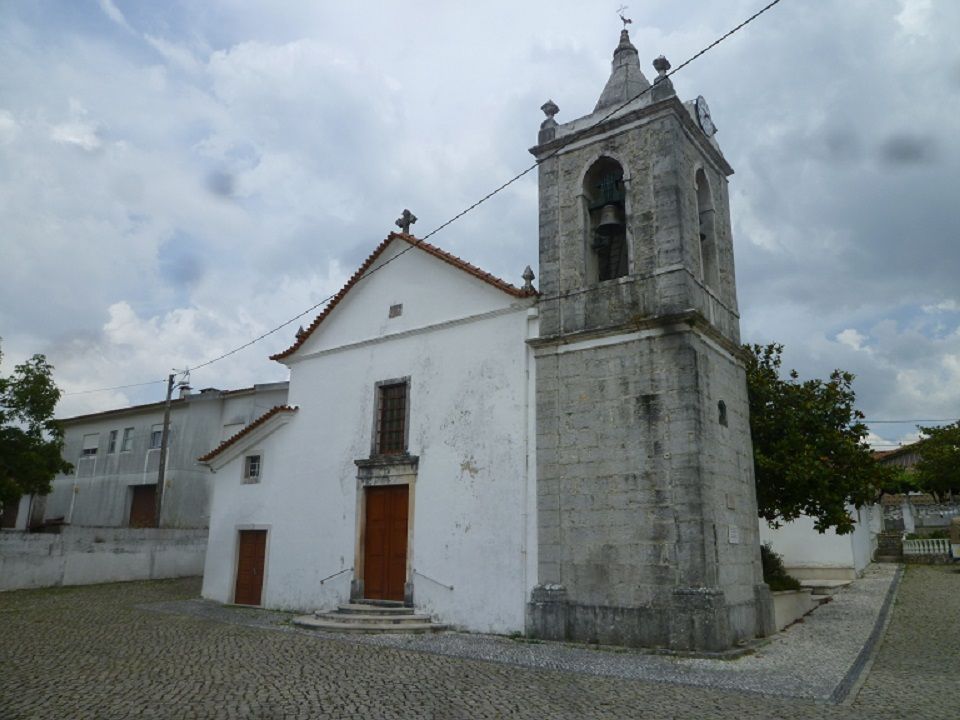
<point x="164" y="436"/>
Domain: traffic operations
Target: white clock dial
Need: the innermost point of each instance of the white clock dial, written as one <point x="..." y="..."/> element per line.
<point x="703" y="117"/>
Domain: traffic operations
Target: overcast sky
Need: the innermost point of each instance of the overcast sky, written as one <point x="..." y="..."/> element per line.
<point x="178" y="177"/>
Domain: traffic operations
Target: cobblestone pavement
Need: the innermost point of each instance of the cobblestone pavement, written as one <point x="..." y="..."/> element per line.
<point x="96" y="652"/>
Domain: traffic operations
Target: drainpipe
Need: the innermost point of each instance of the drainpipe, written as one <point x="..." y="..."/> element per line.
<point x="164" y="436"/>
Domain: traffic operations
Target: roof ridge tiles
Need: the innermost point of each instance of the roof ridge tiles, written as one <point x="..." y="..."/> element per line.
<point x="275" y="410"/>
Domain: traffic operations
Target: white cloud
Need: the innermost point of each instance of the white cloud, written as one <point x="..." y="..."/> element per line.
<point x="914" y="16"/>
<point x="852" y="339"/>
<point x="113" y="12"/>
<point x="9" y="127"/>
<point x="950" y="305"/>
<point x="175" y="54"/>
<point x="83" y="135"/>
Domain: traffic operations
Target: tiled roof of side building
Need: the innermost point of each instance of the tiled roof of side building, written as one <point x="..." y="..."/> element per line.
<point x="426" y="247"/>
<point x="276" y="410"/>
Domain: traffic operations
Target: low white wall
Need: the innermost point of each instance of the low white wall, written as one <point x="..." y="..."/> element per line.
<point x="808" y="554"/>
<point x="791" y="605"/>
<point x="84" y="556"/>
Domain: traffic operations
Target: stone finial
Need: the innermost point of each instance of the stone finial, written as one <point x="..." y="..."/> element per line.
<point x="662" y="86"/>
<point x="528" y="278"/>
<point x="405" y="221"/>
<point x="661" y="65"/>
<point x="548" y="127"/>
<point x="549" y="109"/>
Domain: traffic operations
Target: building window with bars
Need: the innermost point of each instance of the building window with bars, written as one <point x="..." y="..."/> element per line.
<point x="391" y="427"/>
<point x="251" y="469"/>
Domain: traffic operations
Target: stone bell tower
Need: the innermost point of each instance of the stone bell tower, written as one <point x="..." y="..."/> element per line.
<point x="647" y="515"/>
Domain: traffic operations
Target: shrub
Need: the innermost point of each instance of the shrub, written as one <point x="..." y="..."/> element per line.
<point x="774" y="574"/>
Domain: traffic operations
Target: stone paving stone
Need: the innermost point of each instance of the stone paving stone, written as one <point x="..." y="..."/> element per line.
<point x="95" y="652"/>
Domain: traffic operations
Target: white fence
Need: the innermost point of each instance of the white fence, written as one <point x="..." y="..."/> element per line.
<point x="927" y="546"/>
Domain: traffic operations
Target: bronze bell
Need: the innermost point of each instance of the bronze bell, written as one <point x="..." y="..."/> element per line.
<point x="611" y="220"/>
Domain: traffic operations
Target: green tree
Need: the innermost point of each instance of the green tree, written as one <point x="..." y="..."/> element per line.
<point x="809" y="449"/>
<point x="938" y="467"/>
<point x="30" y="439"/>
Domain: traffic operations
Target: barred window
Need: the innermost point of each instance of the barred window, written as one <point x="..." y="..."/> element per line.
<point x="392" y="419"/>
<point x="251" y="468"/>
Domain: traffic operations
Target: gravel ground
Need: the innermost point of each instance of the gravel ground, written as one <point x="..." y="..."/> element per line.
<point x="105" y="652"/>
<point x="809" y="660"/>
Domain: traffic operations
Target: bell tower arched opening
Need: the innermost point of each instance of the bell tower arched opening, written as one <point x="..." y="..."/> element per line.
<point x="605" y="194"/>
<point x="707" y="244"/>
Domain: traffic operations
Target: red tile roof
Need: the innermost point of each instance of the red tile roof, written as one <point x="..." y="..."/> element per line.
<point x="276" y="410"/>
<point x="426" y="247"/>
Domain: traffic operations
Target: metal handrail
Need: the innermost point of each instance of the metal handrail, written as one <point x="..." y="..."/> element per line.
<point x="437" y="582"/>
<point x="339" y="572"/>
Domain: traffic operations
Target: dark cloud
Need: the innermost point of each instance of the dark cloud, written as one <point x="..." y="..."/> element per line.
<point x="179" y="263"/>
<point x="908" y="150"/>
<point x="221" y="183"/>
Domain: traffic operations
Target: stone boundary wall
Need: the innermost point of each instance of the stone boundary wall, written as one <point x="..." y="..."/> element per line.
<point x="85" y="556"/>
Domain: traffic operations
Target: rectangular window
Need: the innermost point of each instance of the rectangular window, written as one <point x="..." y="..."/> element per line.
<point x="90" y="443"/>
<point x="251" y="468"/>
<point x="156" y="435"/>
<point x="126" y="445"/>
<point x="112" y="442"/>
<point x="392" y="419"/>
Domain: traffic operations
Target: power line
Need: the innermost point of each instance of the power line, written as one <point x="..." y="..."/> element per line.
<point x="476" y="204"/>
<point x="115" y="387"/>
<point x="877" y="422"/>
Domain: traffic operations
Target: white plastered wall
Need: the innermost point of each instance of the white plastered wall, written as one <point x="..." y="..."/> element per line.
<point x="462" y="344"/>
<point x="808" y="554"/>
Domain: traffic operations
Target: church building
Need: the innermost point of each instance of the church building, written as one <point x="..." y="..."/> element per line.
<point x="573" y="463"/>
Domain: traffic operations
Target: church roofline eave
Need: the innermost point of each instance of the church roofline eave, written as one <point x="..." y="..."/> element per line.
<point x="671" y="104"/>
<point x="252" y="433"/>
<point x="365" y="267"/>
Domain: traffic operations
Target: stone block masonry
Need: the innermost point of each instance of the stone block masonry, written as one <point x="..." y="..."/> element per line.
<point x="647" y="531"/>
<point x="645" y="497"/>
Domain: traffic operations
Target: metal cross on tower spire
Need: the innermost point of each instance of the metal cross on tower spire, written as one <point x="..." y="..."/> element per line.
<point x="626" y="20"/>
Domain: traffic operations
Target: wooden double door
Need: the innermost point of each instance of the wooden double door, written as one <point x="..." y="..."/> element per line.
<point x="385" y="542"/>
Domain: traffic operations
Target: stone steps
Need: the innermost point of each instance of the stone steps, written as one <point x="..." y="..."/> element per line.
<point x="823" y="587"/>
<point x="370" y="617"/>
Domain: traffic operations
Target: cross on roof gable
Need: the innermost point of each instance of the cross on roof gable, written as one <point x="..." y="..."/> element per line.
<point x="368" y="264"/>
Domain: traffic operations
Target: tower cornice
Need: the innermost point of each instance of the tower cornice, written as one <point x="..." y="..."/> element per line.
<point x="620" y="122"/>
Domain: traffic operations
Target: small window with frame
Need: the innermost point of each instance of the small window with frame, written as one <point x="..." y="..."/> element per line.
<point x="112" y="442"/>
<point x="156" y="436"/>
<point x="90" y="444"/>
<point x="252" y="468"/>
<point x="391" y="429"/>
<point x="126" y="444"/>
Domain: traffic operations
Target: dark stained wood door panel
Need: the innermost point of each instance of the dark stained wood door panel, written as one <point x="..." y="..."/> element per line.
<point x="143" y="508"/>
<point x="250" y="562"/>
<point x="385" y="542"/>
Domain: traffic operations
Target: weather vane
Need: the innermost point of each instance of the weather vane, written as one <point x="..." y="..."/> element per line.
<point x="626" y="20"/>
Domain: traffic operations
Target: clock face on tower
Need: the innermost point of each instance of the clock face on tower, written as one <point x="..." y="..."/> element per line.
<point x="703" y="117"/>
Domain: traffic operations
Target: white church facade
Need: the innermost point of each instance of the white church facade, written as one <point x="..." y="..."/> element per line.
<point x="573" y="463"/>
<point x="407" y="464"/>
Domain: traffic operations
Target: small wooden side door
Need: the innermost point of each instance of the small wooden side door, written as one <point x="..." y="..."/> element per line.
<point x="385" y="543"/>
<point x="143" y="508"/>
<point x="250" y="560"/>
